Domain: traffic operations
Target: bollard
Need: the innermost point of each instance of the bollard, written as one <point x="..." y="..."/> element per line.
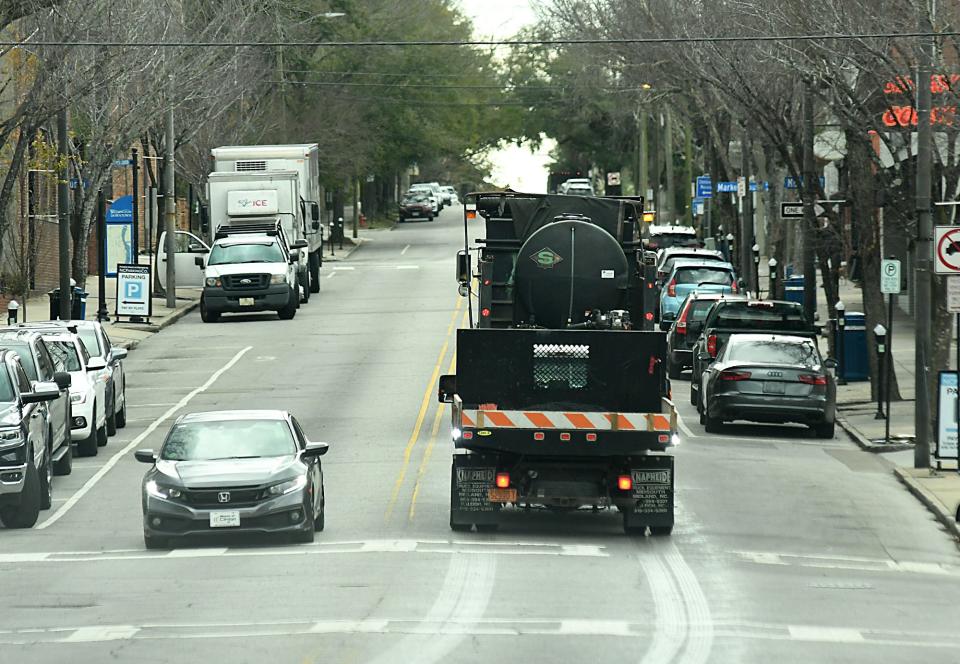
<point x="332" y="250"/>
<point x="12" y="310"/>
<point x="841" y="325"/>
<point x="880" y="336"/>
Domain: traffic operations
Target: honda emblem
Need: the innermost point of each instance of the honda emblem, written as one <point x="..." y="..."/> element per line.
<point x="223" y="496"/>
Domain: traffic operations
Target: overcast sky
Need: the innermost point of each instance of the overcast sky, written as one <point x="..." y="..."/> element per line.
<point x="512" y="165"/>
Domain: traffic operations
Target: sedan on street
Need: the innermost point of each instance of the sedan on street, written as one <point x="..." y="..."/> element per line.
<point x="416" y="205"/>
<point x="236" y="470"/>
<point x="770" y="378"/>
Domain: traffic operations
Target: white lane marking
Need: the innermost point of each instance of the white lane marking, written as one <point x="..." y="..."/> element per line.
<point x="112" y="461"/>
<point x="825" y="634"/>
<point x="101" y="633"/>
<point x="325" y="548"/>
<point x="338" y="268"/>
<point x="404" y="250"/>
<point x="686" y="430"/>
<point x="149" y="405"/>
<point x="595" y="628"/>
<point x="368" y="626"/>
<point x="849" y="563"/>
<point x="408" y="267"/>
<point x="331" y="275"/>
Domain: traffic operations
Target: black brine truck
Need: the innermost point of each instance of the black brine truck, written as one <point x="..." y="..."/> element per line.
<point x="558" y="402"/>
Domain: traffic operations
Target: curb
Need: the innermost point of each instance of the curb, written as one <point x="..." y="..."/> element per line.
<point x="930" y="501"/>
<point x="346" y="252"/>
<point x="866" y="444"/>
<point x="130" y="344"/>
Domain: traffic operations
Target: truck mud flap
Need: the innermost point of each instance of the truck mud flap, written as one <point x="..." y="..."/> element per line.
<point x="471" y="478"/>
<point x="652" y="494"/>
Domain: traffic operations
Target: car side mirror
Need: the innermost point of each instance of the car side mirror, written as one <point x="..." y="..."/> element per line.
<point x="41" y="392"/>
<point x="665" y="325"/>
<point x="830" y="363"/>
<point x="315" y="449"/>
<point x="198" y="261"/>
<point x="315" y="213"/>
<point x="446" y="388"/>
<point x="145" y="456"/>
<point x="118" y="353"/>
<point x="96" y="364"/>
<point x="62" y="379"/>
<point x="463" y="267"/>
<point x="299" y="244"/>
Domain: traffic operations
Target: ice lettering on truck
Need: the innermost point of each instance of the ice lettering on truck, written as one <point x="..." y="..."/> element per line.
<point x="246" y="202"/>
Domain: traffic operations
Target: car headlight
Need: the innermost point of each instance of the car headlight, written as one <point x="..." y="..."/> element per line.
<point x="10" y="438"/>
<point x="162" y="492"/>
<point x="278" y="279"/>
<point x="212" y="281"/>
<point x="283" y="488"/>
<point x="78" y="397"/>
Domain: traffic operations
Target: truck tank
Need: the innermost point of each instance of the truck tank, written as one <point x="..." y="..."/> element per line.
<point x="567" y="268"/>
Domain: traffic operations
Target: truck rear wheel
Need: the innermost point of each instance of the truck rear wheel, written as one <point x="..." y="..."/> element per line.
<point x="313" y="267"/>
<point x="630" y="529"/>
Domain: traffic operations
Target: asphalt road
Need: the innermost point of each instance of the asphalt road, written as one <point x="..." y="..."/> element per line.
<point x="787" y="548"/>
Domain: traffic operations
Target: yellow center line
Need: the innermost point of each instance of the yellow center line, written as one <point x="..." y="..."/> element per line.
<point x="424" y="406"/>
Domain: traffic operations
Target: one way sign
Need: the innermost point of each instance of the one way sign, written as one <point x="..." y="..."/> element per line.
<point x="791" y="210"/>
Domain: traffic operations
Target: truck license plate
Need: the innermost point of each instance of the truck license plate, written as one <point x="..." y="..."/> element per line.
<point x="502" y="495"/>
<point x="224" y="519"/>
<point x="246" y="301"/>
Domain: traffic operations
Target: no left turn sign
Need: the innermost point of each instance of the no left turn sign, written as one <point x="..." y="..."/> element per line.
<point x="946" y="249"/>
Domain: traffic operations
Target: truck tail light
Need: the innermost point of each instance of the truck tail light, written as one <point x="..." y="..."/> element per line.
<point x="503" y="480"/>
<point x="712" y="345"/>
<point x="565" y="436"/>
<point x="485" y="312"/>
<point x="591" y="437"/>
<point x="538" y="435"/>
<point x="624" y="482"/>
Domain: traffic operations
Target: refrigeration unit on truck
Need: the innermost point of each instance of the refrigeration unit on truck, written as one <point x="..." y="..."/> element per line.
<point x="263" y="198"/>
<point x="304" y="160"/>
<point x="558" y="402"/>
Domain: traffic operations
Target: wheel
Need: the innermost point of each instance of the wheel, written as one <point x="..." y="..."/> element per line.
<point x="459" y="527"/>
<point x="289" y="311"/>
<point x="24" y="514"/>
<point x="88" y="446"/>
<point x="306" y="536"/>
<point x="122" y="413"/>
<point x="313" y="266"/>
<point x="319" y="519"/>
<point x="154" y="543"/>
<point x="632" y="530"/>
<point x="711" y="424"/>
<point x="661" y="530"/>
<point x="102" y="434"/>
<point x="305" y="280"/>
<point x="703" y="420"/>
<point x="824" y="430"/>
<point x="207" y="316"/>
<point x="111" y="422"/>
<point x="401" y="219"/>
<point x="46" y="482"/>
<point x="673" y="370"/>
<point x="65" y="465"/>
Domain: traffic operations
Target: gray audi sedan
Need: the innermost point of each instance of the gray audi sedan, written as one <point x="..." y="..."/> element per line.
<point x="233" y="470"/>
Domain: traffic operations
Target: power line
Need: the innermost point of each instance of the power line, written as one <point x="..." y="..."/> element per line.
<point x="431" y="86"/>
<point x="507" y="43"/>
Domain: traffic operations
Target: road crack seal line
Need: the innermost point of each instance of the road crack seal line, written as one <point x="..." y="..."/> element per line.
<point x="112" y="461"/>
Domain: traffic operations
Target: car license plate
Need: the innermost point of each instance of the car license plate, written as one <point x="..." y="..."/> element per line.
<point x="224" y="519"/>
<point x="246" y="301"/>
<point x="770" y="387"/>
<point x="502" y="495"/>
<point x="415" y="214"/>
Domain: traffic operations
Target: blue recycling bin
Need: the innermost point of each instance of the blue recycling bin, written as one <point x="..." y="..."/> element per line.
<point x="79" y="304"/>
<point x="793" y="289"/>
<point x="856" y="362"/>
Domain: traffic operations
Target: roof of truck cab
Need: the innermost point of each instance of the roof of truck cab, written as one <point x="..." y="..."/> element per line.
<point x="253" y="175"/>
<point x="291" y="150"/>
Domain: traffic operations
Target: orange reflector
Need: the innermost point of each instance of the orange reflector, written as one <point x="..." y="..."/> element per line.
<point x="503" y="480"/>
<point x="591" y="437"/>
<point x="484" y="312"/>
<point x="663" y="438"/>
<point x="648" y="315"/>
<point x="624" y="483"/>
<point x="471" y="214"/>
<point x="467" y="435"/>
<point x="564" y="436"/>
<point x="538" y="435"/>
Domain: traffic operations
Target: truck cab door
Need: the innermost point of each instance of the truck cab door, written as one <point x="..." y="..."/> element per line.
<point x="188" y="247"/>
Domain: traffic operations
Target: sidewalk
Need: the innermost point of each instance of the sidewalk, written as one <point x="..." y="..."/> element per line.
<point x="938" y="490"/>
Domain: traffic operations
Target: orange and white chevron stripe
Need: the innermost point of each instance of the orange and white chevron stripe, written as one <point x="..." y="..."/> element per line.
<point x="524" y="419"/>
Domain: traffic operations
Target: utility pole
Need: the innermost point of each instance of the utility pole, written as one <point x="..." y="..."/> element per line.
<point x="135" y="168"/>
<point x="809" y="214"/>
<point x="746" y="219"/>
<point x="644" y="160"/>
<point x="668" y="171"/>
<point x="922" y="272"/>
<point x="63" y="205"/>
<point x="170" y="220"/>
<point x="688" y="158"/>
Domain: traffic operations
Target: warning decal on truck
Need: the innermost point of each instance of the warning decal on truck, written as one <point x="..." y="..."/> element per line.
<point x="472" y="484"/>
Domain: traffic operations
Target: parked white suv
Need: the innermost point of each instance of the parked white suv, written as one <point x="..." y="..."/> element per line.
<point x="88" y="394"/>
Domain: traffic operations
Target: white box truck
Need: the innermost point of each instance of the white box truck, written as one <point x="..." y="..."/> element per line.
<point x="262" y="198"/>
<point x="302" y="158"/>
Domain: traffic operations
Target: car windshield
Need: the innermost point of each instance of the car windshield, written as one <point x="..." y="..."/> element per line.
<point x="416" y="198"/>
<point x="65" y="352"/>
<point x="26" y="357"/>
<point x="756" y="316"/>
<point x="90" y="341"/>
<point x="255" y="252"/>
<point x="670" y="262"/>
<point x="700" y="275"/>
<point x="579" y="191"/>
<point x="228" y="439"/>
<point x="773" y="351"/>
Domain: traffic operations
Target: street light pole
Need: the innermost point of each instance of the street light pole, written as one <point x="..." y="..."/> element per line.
<point x="170" y="220"/>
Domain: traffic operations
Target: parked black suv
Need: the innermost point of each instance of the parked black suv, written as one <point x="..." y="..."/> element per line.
<point x="26" y="462"/>
<point x="686" y="330"/>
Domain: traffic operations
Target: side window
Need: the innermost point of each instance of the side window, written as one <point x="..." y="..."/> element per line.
<point x="44" y="361"/>
<point x="106" y="343"/>
<point x="23" y="383"/>
<point x="301" y="438"/>
<point x="84" y="355"/>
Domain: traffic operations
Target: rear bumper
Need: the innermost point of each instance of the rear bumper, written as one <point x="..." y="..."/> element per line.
<point x="768" y="408"/>
<point x="682" y="358"/>
<point x="272" y="298"/>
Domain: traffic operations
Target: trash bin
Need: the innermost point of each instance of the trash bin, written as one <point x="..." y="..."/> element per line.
<point x="793" y="289"/>
<point x="856" y="363"/>
<point x="78" y="306"/>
